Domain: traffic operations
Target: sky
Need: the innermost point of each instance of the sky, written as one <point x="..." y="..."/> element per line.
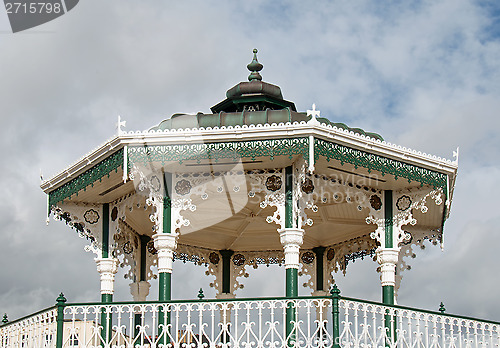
<point x="423" y="74"/>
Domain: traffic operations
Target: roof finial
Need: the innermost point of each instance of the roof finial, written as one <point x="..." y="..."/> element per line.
<point x="254" y="67"/>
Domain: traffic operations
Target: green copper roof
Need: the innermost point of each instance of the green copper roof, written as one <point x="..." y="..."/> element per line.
<point x="182" y="121"/>
<point x="254" y="102"/>
<point x="231" y="119"/>
<point x="255" y="95"/>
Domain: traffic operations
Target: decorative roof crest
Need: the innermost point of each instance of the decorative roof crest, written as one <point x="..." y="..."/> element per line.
<point x="255" y="67"/>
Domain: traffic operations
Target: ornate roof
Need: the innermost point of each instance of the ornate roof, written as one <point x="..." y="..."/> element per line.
<point x="251" y="103"/>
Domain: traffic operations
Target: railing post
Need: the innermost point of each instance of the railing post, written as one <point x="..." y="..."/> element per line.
<point x="60" y="303"/>
<point x="335" y="292"/>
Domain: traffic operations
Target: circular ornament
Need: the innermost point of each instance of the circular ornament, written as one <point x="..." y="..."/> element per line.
<point x="128" y="248"/>
<point x="403" y="203"/>
<point x="91" y="216"/>
<point x="183" y="187"/>
<point x="239" y="259"/>
<point x="151" y="247"/>
<point x="307" y="186"/>
<point x="214" y="258"/>
<point x="273" y="183"/>
<point x="114" y="214"/>
<point x="375" y="202"/>
<point x="307" y="257"/>
<point x="155" y="183"/>
<point x="330" y="254"/>
<point x="408" y="238"/>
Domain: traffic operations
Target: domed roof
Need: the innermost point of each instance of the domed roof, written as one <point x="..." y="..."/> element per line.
<point x="250" y="103"/>
<point x="254" y="95"/>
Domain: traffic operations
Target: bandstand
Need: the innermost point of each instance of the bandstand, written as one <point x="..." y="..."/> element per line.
<point x="253" y="183"/>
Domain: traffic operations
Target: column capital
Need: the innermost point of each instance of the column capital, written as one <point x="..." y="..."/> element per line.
<point x="291" y="240"/>
<point x="107" y="268"/>
<point x="106" y="265"/>
<point x="165" y="241"/>
<point x="388" y="255"/>
<point x="165" y="244"/>
<point x="291" y="236"/>
<point x="388" y="258"/>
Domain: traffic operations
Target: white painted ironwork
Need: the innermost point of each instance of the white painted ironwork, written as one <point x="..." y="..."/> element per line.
<point x="38" y="330"/>
<point x="258" y="323"/>
<point x="365" y="324"/>
<point x="243" y="323"/>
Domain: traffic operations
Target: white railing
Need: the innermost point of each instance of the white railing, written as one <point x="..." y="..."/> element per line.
<point x="243" y="323"/>
<point x="252" y="323"/>
<point x="366" y="324"/>
<point x="38" y="330"/>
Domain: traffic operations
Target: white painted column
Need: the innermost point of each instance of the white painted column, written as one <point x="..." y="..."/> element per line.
<point x="291" y="240"/>
<point x="388" y="258"/>
<point x="165" y="244"/>
<point x="107" y="268"/>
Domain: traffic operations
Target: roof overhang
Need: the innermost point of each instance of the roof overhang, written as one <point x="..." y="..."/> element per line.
<point x="113" y="156"/>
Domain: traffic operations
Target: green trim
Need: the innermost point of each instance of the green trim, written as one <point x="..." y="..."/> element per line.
<point x="28" y="316"/>
<point x="226" y="270"/>
<point x="96" y="173"/>
<point x="319" y="252"/>
<point x="105" y="230"/>
<point x="379" y="163"/>
<point x="284" y="298"/>
<point x="236" y="150"/>
<point x="388" y="225"/>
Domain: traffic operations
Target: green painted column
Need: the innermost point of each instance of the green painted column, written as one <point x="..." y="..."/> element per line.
<point x="289" y="223"/>
<point x="388" y="257"/>
<point x="165" y="281"/>
<point x="388" y="290"/>
<point x="165" y="243"/>
<point x="107" y="268"/>
<point x="335" y="292"/>
<point x="319" y="252"/>
<point x="226" y="270"/>
<point x="105" y="230"/>
<point x="291" y="239"/>
<point x="144" y="240"/>
<point x="60" y="301"/>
